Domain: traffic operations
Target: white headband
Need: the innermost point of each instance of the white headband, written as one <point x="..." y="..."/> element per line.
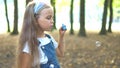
<point x="38" y="6"/>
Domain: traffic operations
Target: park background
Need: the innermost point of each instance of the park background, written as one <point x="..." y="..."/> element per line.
<point x="91" y="51"/>
<point x="93" y="14"/>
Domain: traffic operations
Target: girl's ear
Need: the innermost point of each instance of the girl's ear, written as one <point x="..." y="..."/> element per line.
<point x="36" y="16"/>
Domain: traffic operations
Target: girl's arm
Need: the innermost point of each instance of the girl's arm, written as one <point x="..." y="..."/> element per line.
<point x="61" y="46"/>
<point x="25" y="60"/>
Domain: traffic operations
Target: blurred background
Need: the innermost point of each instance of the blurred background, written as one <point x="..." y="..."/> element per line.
<point x="93" y="31"/>
<point x="67" y="12"/>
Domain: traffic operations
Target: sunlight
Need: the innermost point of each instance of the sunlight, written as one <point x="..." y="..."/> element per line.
<point x="3" y="27"/>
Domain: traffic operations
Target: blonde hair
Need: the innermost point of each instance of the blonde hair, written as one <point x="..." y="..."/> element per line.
<point x="29" y="34"/>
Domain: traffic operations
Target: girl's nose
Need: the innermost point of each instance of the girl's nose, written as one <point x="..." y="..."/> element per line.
<point x="52" y="21"/>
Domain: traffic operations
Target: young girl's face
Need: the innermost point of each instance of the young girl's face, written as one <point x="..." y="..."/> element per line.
<point x="45" y="19"/>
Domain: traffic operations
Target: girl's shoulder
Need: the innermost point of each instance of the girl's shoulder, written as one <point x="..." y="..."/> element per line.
<point x="53" y="40"/>
<point x="49" y="36"/>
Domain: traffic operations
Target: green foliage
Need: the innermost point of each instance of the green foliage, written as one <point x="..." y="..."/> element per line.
<point x="101" y="3"/>
<point x="116" y="3"/>
<point x="63" y="3"/>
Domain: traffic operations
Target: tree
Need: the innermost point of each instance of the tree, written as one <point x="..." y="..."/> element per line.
<point x="15" y="29"/>
<point x="6" y="13"/>
<point x="111" y="15"/>
<point x="104" y="18"/>
<point x="54" y="9"/>
<point x="71" y="17"/>
<point x="82" y="31"/>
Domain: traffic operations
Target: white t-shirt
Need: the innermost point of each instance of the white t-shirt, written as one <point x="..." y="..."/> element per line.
<point x="44" y="41"/>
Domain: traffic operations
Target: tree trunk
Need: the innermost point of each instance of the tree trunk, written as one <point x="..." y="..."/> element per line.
<point x="15" y="29"/>
<point x="6" y="13"/>
<point x="71" y="18"/>
<point x="111" y="16"/>
<point x="82" y="31"/>
<point x="54" y="9"/>
<point x="103" y="29"/>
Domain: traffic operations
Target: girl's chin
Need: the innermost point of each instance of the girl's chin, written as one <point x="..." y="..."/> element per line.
<point x="49" y="29"/>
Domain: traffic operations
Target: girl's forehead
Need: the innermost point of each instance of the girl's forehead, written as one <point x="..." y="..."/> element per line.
<point x="46" y="11"/>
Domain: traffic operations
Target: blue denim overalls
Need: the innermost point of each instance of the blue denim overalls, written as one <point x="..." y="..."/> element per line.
<point x="50" y="52"/>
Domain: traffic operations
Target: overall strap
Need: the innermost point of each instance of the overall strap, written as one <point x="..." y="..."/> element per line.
<point x="48" y="36"/>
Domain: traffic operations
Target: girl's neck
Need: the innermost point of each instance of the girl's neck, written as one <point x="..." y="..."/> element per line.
<point x="40" y="34"/>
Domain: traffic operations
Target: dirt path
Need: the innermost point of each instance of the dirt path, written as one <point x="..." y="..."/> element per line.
<point x="80" y="52"/>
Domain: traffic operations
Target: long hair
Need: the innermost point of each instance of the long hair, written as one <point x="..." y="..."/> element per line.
<point x="29" y="34"/>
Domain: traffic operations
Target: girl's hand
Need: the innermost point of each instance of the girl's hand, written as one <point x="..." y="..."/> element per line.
<point x="62" y="31"/>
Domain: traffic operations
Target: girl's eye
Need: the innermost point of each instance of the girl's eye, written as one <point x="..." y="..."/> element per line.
<point x="49" y="17"/>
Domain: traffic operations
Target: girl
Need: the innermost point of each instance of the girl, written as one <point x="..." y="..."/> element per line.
<point x="38" y="49"/>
